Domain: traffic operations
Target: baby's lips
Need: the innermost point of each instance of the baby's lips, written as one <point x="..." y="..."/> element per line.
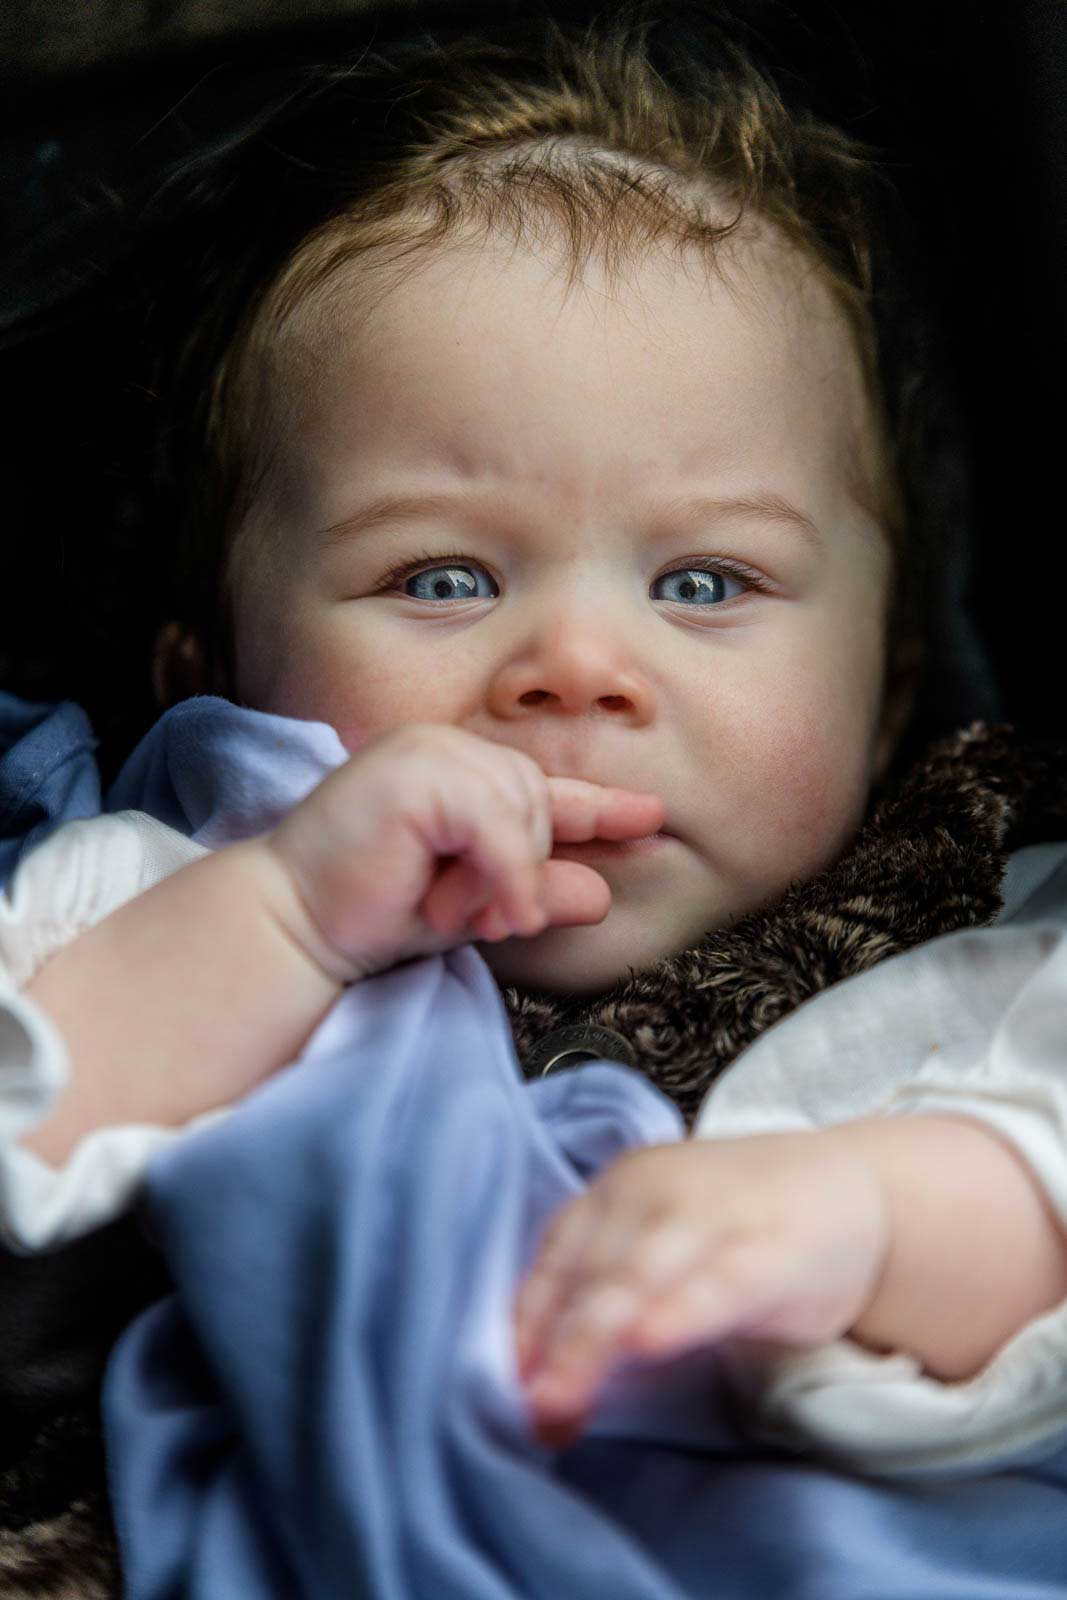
<point x="586" y="809"/>
<point x="637" y="816"/>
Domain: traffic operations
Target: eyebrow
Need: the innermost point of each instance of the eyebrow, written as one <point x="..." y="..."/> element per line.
<point x="765" y="507"/>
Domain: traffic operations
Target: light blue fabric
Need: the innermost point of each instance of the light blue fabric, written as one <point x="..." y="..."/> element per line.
<point x="220" y="772"/>
<point x="327" y="1407"/>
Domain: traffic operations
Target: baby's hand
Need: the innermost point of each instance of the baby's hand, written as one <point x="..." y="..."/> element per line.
<point x="431" y="836"/>
<point x="777" y="1236"/>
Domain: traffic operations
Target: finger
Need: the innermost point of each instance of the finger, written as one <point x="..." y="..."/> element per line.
<point x="694" y="1311"/>
<point x="455" y="897"/>
<point x="574" y="895"/>
<point x="569" y="894"/>
<point x="557" y="1419"/>
<point x="497" y="826"/>
<point x="559" y="1431"/>
<point x="548" y="1278"/>
<point x="590" y="1323"/>
<point x="734" y="1294"/>
<point x="462" y="895"/>
<point x="582" y="811"/>
<point x="587" y="1324"/>
<point x="585" y="1345"/>
<point x="586" y="1257"/>
<point x="561" y="1392"/>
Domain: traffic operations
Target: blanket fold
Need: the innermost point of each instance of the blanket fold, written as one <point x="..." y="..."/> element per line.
<point x="329" y="1404"/>
<point x="930" y="859"/>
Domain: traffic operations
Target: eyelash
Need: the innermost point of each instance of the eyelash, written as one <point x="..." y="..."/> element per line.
<point x="431" y="558"/>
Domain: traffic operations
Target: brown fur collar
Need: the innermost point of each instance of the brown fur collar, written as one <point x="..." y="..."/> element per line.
<point x="930" y="858"/>
<point x="57" y="1541"/>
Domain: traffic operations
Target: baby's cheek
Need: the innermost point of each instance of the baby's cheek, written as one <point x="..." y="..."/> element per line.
<point x="814" y="787"/>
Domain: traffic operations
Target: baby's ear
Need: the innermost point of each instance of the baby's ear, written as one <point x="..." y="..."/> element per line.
<point x="901" y="692"/>
<point x="179" y="665"/>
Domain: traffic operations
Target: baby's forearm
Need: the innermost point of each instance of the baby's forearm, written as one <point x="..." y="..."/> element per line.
<point x="180" y="1000"/>
<point x="976" y="1251"/>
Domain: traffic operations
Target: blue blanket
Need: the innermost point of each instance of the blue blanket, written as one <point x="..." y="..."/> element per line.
<point x="328" y="1406"/>
<point x="48" y="774"/>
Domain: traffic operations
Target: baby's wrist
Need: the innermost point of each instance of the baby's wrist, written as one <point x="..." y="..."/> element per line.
<point x="220" y="929"/>
<point x="286" y="903"/>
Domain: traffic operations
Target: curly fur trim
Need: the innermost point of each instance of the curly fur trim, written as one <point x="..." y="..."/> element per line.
<point x="57" y="1541"/>
<point x="930" y="858"/>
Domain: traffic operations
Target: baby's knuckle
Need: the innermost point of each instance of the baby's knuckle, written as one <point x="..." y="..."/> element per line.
<point x="613" y="1299"/>
<point x="518" y="782"/>
<point x="740" y="1263"/>
<point x="439" y="742"/>
<point x="521" y="773"/>
<point x="666" y="1248"/>
<point x="524" y="765"/>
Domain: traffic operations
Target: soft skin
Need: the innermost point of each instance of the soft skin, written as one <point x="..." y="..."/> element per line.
<point x="563" y="431"/>
<point x="901" y="1226"/>
<point x="566" y="429"/>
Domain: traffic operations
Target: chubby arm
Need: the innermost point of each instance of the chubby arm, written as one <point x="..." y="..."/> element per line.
<point x="187" y="996"/>
<point x="975" y="1250"/>
<point x="180" y="1000"/>
<point x="924" y="1234"/>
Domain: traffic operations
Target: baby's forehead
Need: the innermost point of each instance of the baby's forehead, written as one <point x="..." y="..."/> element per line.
<point x="366" y="306"/>
<point x="351" y="347"/>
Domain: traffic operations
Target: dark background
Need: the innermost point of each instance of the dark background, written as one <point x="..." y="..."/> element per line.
<point x="106" y="100"/>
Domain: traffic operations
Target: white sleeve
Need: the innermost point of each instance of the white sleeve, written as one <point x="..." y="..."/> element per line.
<point x="84" y="870"/>
<point x="883" y="1414"/>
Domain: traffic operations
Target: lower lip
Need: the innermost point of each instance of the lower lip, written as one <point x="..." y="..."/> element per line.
<point x="612" y="849"/>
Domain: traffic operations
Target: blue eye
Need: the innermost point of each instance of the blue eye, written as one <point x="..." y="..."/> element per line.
<point x="445" y="583"/>
<point x="455" y="577"/>
<point x="704" y="585"/>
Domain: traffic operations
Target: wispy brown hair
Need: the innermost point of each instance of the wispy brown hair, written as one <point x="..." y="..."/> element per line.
<point x="512" y="129"/>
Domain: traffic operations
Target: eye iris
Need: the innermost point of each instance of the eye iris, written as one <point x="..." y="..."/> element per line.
<point x="444" y="583"/>
<point x="695" y="584"/>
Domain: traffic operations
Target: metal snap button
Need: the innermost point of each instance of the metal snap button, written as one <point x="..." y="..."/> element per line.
<point x="569" y="1047"/>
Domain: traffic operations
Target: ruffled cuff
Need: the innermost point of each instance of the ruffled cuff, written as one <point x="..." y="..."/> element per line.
<point x="881" y="1415"/>
<point x="76" y="877"/>
<point x="42" y="1207"/>
<point x="83" y="871"/>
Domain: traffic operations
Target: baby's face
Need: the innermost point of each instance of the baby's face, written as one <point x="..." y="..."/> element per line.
<point x="631" y="550"/>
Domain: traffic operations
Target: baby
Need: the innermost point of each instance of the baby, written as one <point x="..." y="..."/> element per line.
<point x="560" y="486"/>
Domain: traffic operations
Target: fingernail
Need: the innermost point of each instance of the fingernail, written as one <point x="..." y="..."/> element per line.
<point x="558" y="1433"/>
<point x="549" y="1388"/>
<point x="525" y="1357"/>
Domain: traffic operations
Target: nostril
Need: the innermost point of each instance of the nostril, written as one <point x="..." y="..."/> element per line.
<point x="533" y="697"/>
<point x="613" y="701"/>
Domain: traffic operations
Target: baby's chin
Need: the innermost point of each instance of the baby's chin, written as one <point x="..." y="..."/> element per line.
<point x="573" y="961"/>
